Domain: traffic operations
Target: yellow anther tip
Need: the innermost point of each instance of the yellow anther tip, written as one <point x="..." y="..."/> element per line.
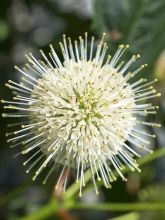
<point x="121" y="46"/>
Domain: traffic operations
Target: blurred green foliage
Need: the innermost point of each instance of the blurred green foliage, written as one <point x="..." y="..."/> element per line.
<point x="139" y="23"/>
<point x="4" y="30"/>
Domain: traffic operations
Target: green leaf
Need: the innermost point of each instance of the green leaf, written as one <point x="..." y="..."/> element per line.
<point x="130" y="216"/>
<point x="138" y="23"/>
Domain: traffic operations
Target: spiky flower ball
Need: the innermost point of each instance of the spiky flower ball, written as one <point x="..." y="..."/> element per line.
<point x="81" y="112"/>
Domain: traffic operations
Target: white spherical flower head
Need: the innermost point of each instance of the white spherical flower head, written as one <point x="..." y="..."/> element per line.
<point x="81" y="113"/>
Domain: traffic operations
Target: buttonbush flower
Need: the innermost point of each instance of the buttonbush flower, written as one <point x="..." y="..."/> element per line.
<point x="81" y="112"/>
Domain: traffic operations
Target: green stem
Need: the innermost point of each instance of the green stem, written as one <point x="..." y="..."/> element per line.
<point x="146" y="159"/>
<point x="74" y="188"/>
<point x="121" y="206"/>
<point x="52" y="206"/>
<point x="150" y="157"/>
<point x="44" y="211"/>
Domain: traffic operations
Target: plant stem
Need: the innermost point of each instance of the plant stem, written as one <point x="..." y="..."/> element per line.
<point x="150" y="157"/>
<point x="44" y="211"/>
<point x="75" y="186"/>
<point x="121" y="206"/>
<point x="52" y="206"/>
<point x="142" y="161"/>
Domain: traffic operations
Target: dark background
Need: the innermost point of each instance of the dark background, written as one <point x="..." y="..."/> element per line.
<point x="28" y="25"/>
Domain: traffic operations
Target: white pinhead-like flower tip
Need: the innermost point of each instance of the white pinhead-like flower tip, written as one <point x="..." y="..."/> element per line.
<point x="81" y="112"/>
